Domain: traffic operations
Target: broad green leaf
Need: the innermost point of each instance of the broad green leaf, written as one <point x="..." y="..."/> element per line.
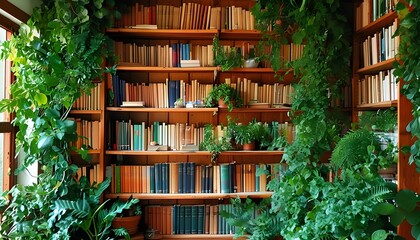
<point x="415" y="231"/>
<point x="384" y="208"/>
<point x="45" y="141"/>
<point x="406" y="200"/>
<point x="397" y="217"/>
<point x="41" y="99"/>
<point x="413" y="217"/>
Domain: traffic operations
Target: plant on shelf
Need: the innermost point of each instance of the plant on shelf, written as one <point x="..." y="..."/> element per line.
<point x="129" y="218"/>
<point x="248" y="135"/>
<point x="224" y="96"/>
<point x="226" y="57"/>
<point x="55" y="57"/>
<point x="380" y="120"/>
<point x="214" y="144"/>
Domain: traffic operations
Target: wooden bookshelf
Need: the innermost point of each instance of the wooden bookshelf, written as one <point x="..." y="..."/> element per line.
<point x="377" y="25"/>
<point x="387" y="104"/>
<point x="184" y="34"/>
<point x="384" y="65"/>
<point x="132" y="73"/>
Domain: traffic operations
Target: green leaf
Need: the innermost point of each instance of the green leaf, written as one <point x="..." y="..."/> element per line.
<point x="384" y="208"/>
<point x="413" y="217"/>
<point x="397" y="217"/>
<point x="406" y="200"/>
<point x="415" y="231"/>
<point x="45" y="141"/>
<point x="41" y="99"/>
<point x="298" y="37"/>
<point x="379" y="235"/>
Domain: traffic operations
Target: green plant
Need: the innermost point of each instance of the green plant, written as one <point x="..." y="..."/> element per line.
<point x="406" y="68"/>
<point x="252" y="132"/>
<point x="226" y="57"/>
<point x="55" y="56"/>
<point x="381" y="120"/>
<point x="226" y="93"/>
<point x="214" y="144"/>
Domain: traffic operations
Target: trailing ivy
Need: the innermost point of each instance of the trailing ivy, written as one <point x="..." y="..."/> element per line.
<point x="55" y="56"/>
<point x="407" y="67"/>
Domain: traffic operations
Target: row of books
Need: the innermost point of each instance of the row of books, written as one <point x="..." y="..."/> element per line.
<point x="190" y="219"/>
<point x="137" y="137"/>
<point x="88" y="133"/>
<point x="277" y="93"/>
<point x="187" y="177"/>
<point x="163" y="95"/>
<point x="378" y="88"/>
<point x="91" y="100"/>
<point x="380" y="46"/>
<point x="164" y="55"/>
<point x="370" y="10"/>
<point x="187" y="16"/>
<point x="90" y="172"/>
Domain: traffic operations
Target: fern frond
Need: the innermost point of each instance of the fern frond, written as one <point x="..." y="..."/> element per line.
<point x="352" y="149"/>
<point x="79" y="208"/>
<point x="379" y="192"/>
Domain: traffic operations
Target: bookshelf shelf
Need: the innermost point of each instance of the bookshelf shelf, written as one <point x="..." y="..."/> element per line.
<point x="157" y="153"/>
<point x="137" y="67"/>
<point x="384" y="65"/>
<point x="86" y="112"/>
<point x="377" y="25"/>
<point x="252" y="153"/>
<point x="199" y="236"/>
<point x="163" y="33"/>
<point x="256" y="110"/>
<point x="203" y="196"/>
<point x="240" y="34"/>
<point x="386" y="104"/>
<point x="161" y="110"/>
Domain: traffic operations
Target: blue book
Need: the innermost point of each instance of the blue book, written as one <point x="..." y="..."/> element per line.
<point x="181" y="177"/>
<point x="185" y="188"/>
<point x="172" y="93"/>
<point x="177" y="89"/>
<point x="152" y="179"/>
<point x="194" y="219"/>
<point x="200" y="219"/>
<point x="165" y="177"/>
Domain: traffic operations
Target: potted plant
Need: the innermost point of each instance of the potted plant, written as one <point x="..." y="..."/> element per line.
<point x="249" y="135"/>
<point x="128" y="219"/>
<point x="225" y="96"/>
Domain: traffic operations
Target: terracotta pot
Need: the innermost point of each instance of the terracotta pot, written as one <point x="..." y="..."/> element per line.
<point x="249" y="146"/>
<point x="129" y="223"/>
<point x="222" y="104"/>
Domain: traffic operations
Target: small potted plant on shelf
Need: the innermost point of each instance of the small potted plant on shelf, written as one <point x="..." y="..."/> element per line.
<point x="249" y="135"/>
<point x="226" y="57"/>
<point x="128" y="219"/>
<point x="225" y="96"/>
<point x="215" y="145"/>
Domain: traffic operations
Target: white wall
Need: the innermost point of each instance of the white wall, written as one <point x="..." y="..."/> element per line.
<point x="26" y="5"/>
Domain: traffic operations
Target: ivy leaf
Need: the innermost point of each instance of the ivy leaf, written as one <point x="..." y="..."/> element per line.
<point x="45" y="141"/>
<point x="413" y="217"/>
<point x="298" y="37"/>
<point x="41" y="99"/>
<point x="379" y="235"/>
<point x="397" y="217"/>
<point x="415" y="231"/>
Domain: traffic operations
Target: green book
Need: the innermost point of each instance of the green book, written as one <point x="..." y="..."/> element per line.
<point x="152" y="179"/>
<point x="175" y="219"/>
<point x="257" y="178"/>
<point x="187" y="214"/>
<point x="200" y="219"/>
<point x="224" y="178"/>
<point x="181" y="219"/>
<point x="194" y="219"/>
<point x="117" y="179"/>
<point x="136" y="137"/>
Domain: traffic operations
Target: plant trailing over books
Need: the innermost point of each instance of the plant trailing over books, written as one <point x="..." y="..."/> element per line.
<point x="381" y="120"/>
<point x="406" y="68"/>
<point x="251" y="133"/>
<point x="214" y="144"/>
<point x="223" y="94"/>
<point x="226" y="58"/>
<point x="55" y="56"/>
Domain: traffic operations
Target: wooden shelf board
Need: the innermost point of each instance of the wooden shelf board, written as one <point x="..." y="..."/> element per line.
<point x="251" y="110"/>
<point x="385" y="20"/>
<point x="384" y="65"/>
<point x="199" y="236"/>
<point x="252" y="153"/>
<point x="170" y="196"/>
<point x="166" y="110"/>
<point x="97" y="151"/>
<point x="87" y="112"/>
<point x="162" y="153"/>
<point x="240" y="34"/>
<point x="386" y="104"/>
<point x="201" y="153"/>
<point x="162" y="33"/>
<point x="136" y="67"/>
